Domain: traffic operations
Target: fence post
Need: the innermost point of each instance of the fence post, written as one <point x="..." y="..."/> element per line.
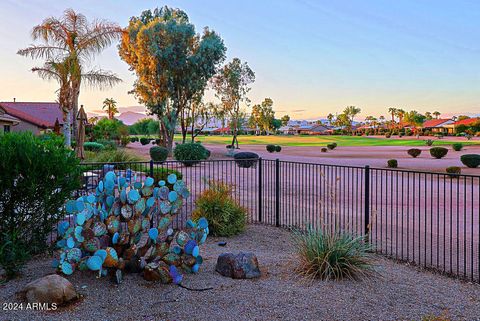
<point x="367" y="202"/>
<point x="277" y="192"/>
<point x="260" y="190"/>
<point x="151" y="168"/>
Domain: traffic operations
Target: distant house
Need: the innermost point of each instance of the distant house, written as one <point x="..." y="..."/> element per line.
<point x="437" y="126"/>
<point x="287" y="130"/>
<point x="36" y="117"/>
<point x="7" y="122"/>
<point x="313" y="130"/>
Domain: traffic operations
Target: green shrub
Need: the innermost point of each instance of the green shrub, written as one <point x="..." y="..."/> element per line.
<point x="438" y="152"/>
<point x="414" y="152"/>
<point x="124" y="141"/>
<point x="332" y="255"/>
<point x="207" y="153"/>
<point x="14" y="253"/>
<point x="37" y="176"/>
<point x="190" y="153"/>
<point x="324" y="149"/>
<point x="158" y="153"/>
<point x="392" y="163"/>
<point x="93" y="146"/>
<point x="116" y="156"/>
<point x="457" y="146"/>
<point x="334" y="145"/>
<point x="246" y="159"/>
<point x="331" y="146"/>
<point x="429" y="142"/>
<point x="470" y="160"/>
<point x="224" y="214"/>
<point x="109" y="144"/>
<point x="144" y="141"/>
<point x="270" y="148"/>
<point x="453" y="170"/>
<point x="133" y="139"/>
<point x="388" y="135"/>
<point x="278" y="148"/>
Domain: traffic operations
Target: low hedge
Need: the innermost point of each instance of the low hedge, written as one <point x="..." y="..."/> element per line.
<point x="93" y="146"/>
<point x="144" y="141"/>
<point x="246" y="159"/>
<point x="470" y="160"/>
<point x="438" y="152"/>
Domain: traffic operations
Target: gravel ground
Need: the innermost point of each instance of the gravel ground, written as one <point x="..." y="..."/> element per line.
<point x="399" y="293"/>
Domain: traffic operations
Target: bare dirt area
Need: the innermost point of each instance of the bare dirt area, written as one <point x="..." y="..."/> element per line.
<point x="399" y="292"/>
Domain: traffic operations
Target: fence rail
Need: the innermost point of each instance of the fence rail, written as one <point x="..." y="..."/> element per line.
<point x="429" y="219"/>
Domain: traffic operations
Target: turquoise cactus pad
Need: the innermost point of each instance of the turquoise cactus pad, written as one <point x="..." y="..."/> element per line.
<point x="113" y="226"/>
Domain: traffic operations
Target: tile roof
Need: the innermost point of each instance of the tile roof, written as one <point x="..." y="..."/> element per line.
<point x="42" y="114"/>
<point x="467" y="121"/>
<point x="434" y="122"/>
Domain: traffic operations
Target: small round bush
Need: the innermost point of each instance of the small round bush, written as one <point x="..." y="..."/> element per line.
<point x="414" y="152"/>
<point x="133" y="139"/>
<point x="334" y="145"/>
<point x="331" y="146"/>
<point x="190" y="153"/>
<point x="270" y="148"/>
<point x="457" y="146"/>
<point x="144" y="141"/>
<point x="226" y="217"/>
<point x="93" y="146"/>
<point x="392" y="163"/>
<point x="388" y="135"/>
<point x="229" y="146"/>
<point x="278" y="148"/>
<point x="246" y="159"/>
<point x="438" y="152"/>
<point x="470" y="160"/>
<point x="429" y="142"/>
<point x="158" y="153"/>
<point x="324" y="149"/>
<point x="453" y="170"/>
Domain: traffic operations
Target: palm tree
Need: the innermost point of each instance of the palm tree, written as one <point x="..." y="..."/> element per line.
<point x="72" y="37"/>
<point x="60" y="72"/>
<point x="436" y="114"/>
<point x="111" y="106"/>
<point x="330" y="118"/>
<point x="393" y="112"/>
<point x="428" y="115"/>
<point x="350" y="112"/>
<point x="400" y="114"/>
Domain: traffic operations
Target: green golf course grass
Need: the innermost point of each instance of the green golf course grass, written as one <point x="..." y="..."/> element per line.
<point x="323" y="140"/>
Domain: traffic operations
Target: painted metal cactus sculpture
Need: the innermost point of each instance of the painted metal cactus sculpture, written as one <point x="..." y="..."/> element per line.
<point x="113" y="230"/>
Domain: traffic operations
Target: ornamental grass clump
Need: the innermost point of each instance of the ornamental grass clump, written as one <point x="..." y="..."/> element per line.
<point x="226" y="217"/>
<point x="329" y="255"/>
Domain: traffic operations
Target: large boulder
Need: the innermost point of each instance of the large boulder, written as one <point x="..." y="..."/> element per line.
<point x="49" y="289"/>
<point x="238" y="266"/>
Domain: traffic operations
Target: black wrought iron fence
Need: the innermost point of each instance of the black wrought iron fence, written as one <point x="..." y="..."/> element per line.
<point x="429" y="219"/>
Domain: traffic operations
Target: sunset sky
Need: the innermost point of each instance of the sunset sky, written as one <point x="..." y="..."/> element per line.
<point x="311" y="57"/>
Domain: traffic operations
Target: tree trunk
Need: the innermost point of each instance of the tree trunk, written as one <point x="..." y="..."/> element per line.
<point x="76" y="94"/>
<point x="67" y="133"/>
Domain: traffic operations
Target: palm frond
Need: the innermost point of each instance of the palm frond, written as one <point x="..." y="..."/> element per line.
<point x="43" y="51"/>
<point x="101" y="35"/>
<point x="100" y="79"/>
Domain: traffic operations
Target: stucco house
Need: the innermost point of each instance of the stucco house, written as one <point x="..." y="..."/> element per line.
<point x="36" y="117"/>
<point x="436" y="126"/>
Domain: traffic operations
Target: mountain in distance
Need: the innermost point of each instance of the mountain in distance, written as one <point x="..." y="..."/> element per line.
<point x="131" y="117"/>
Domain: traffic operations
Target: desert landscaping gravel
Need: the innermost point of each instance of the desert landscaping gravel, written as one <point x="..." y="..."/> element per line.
<point x="400" y="292"/>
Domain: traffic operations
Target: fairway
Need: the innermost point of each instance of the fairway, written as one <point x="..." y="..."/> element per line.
<point x="323" y="140"/>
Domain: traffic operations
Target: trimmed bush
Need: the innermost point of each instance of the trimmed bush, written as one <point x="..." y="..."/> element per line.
<point x="246" y="159"/>
<point x="388" y="135"/>
<point x="158" y="153"/>
<point x="270" y="148"/>
<point x="453" y="170"/>
<point x="392" y="163"/>
<point x="133" y="139"/>
<point x="229" y="146"/>
<point x="329" y="255"/>
<point x="331" y="146"/>
<point x="457" y="146"/>
<point x="414" y="152"/>
<point x="37" y="177"/>
<point x="190" y="153"/>
<point x="144" y="141"/>
<point x="93" y="146"/>
<point x="438" y="152"/>
<point x="429" y="142"/>
<point x="334" y="145"/>
<point x="278" y="148"/>
<point x="109" y="144"/>
<point x="224" y="214"/>
<point x="324" y="149"/>
<point x="470" y="160"/>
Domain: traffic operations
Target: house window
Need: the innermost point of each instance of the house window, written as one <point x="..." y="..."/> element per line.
<point x="6" y="128"/>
